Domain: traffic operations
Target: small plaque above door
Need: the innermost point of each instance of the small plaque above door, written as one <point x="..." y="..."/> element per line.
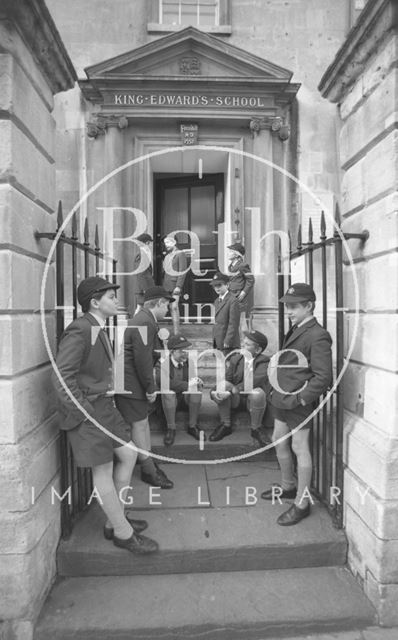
<point x="189" y="133"/>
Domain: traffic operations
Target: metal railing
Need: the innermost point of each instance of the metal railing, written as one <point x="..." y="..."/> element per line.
<point x="324" y="272"/>
<point x="87" y="258"/>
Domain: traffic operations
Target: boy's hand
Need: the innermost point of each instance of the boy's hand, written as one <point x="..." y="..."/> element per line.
<point x="241" y="296"/>
<point x="151" y="397"/>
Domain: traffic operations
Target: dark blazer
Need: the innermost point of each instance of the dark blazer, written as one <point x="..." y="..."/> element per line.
<point x="178" y="378"/>
<point x="178" y="263"/>
<point x="235" y="371"/>
<point x="86" y="368"/>
<point x="315" y="343"/>
<point x="242" y="279"/>
<point x="140" y="355"/>
<point x="227" y="317"/>
<point x="144" y="278"/>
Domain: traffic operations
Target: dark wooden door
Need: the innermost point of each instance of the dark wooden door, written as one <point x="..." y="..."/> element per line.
<point x="195" y="204"/>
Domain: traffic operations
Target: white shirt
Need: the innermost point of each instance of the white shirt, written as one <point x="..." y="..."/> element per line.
<point x="223" y="296"/>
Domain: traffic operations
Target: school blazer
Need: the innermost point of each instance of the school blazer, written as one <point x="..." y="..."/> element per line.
<point x="241" y="279"/>
<point x="178" y="378"/>
<point x="235" y="371"/>
<point x="85" y="362"/>
<point x="227" y="317"/>
<point x="178" y="263"/>
<point x="140" y="355"/>
<point x="144" y="278"/>
<point x="314" y="342"/>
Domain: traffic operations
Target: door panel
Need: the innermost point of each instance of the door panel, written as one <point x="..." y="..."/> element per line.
<point x="188" y="202"/>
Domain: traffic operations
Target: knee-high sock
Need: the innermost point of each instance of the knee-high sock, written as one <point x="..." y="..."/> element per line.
<point x="169" y="404"/>
<point x="285" y="459"/>
<point x="256" y="403"/>
<point x="224" y="408"/>
<point x="110" y="503"/>
<point x="194" y="402"/>
<point x="304" y="475"/>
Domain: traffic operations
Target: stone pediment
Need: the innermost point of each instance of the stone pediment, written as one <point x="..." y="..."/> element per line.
<point x="191" y="53"/>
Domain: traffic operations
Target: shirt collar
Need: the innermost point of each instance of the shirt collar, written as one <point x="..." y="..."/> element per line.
<point x="98" y="318"/>
<point x="305" y="321"/>
<point x="175" y="362"/>
<point x="223" y="296"/>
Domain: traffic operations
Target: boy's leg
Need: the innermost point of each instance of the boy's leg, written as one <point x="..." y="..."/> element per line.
<point x="284" y="454"/>
<point x="256" y="403"/>
<point x="224" y="409"/>
<point x="169" y="404"/>
<point x="301" y="447"/>
<point x="141" y="436"/>
<point x="123" y="467"/>
<point x="194" y="401"/>
<point x="243" y="324"/>
<point x="175" y="314"/>
<point x="110" y="503"/>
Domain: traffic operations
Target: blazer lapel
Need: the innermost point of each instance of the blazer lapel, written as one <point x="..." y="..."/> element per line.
<point x="221" y="303"/>
<point x="104" y="339"/>
<point x="298" y="332"/>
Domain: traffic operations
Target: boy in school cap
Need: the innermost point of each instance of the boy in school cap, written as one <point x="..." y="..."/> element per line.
<point x="242" y="280"/>
<point x="141" y="352"/>
<point x="226" y="315"/>
<point x="85" y="365"/>
<point x="295" y="387"/>
<point x="180" y="385"/>
<point x="255" y="402"/>
<point x="144" y="279"/>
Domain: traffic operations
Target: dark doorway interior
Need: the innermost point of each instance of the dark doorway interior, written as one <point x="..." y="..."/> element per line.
<point x="196" y="204"/>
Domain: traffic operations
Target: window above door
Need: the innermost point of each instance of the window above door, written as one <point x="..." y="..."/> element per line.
<point x="211" y="16"/>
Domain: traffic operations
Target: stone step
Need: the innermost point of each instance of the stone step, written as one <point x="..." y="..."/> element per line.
<point x="202" y="526"/>
<point x="219" y="606"/>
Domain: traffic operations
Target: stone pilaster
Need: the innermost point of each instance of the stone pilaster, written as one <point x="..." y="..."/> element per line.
<point x="363" y="80"/>
<point x="33" y="66"/>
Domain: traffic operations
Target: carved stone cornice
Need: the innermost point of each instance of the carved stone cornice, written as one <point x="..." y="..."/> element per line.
<point x="378" y="19"/>
<point x="100" y="124"/>
<point x="35" y="24"/>
<point x="277" y="124"/>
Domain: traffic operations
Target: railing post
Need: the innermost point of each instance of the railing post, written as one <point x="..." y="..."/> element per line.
<point x="338" y="248"/>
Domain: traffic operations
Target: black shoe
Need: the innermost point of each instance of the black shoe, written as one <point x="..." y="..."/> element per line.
<point x="137" y="544"/>
<point x="138" y="526"/>
<point x="195" y="432"/>
<point x="260" y="437"/>
<point x="220" y="432"/>
<point x="157" y="479"/>
<point x="293" y="515"/>
<point x="169" y="437"/>
<point x="288" y="494"/>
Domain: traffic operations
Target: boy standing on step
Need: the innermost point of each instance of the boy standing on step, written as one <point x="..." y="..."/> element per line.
<point x="301" y="375"/>
<point x="142" y="348"/>
<point x="241" y="282"/>
<point x="226" y="316"/>
<point x="85" y="368"/>
<point x="183" y="391"/>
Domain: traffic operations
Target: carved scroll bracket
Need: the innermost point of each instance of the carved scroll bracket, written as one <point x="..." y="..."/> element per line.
<point x="101" y="123"/>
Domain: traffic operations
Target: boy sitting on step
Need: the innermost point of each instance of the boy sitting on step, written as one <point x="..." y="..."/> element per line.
<point x="179" y="383"/>
<point x="234" y="397"/>
<point x="301" y="375"/>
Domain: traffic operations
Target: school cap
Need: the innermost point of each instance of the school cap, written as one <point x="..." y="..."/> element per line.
<point x="219" y="278"/>
<point x="178" y="342"/>
<point x="237" y="246"/>
<point x="90" y="286"/>
<point x="257" y="337"/>
<point x="299" y="292"/>
<point x="153" y="293"/>
<point x="144" y="237"/>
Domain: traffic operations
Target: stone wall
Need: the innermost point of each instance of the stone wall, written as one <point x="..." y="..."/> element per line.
<point x="33" y="66"/>
<point x="363" y="79"/>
